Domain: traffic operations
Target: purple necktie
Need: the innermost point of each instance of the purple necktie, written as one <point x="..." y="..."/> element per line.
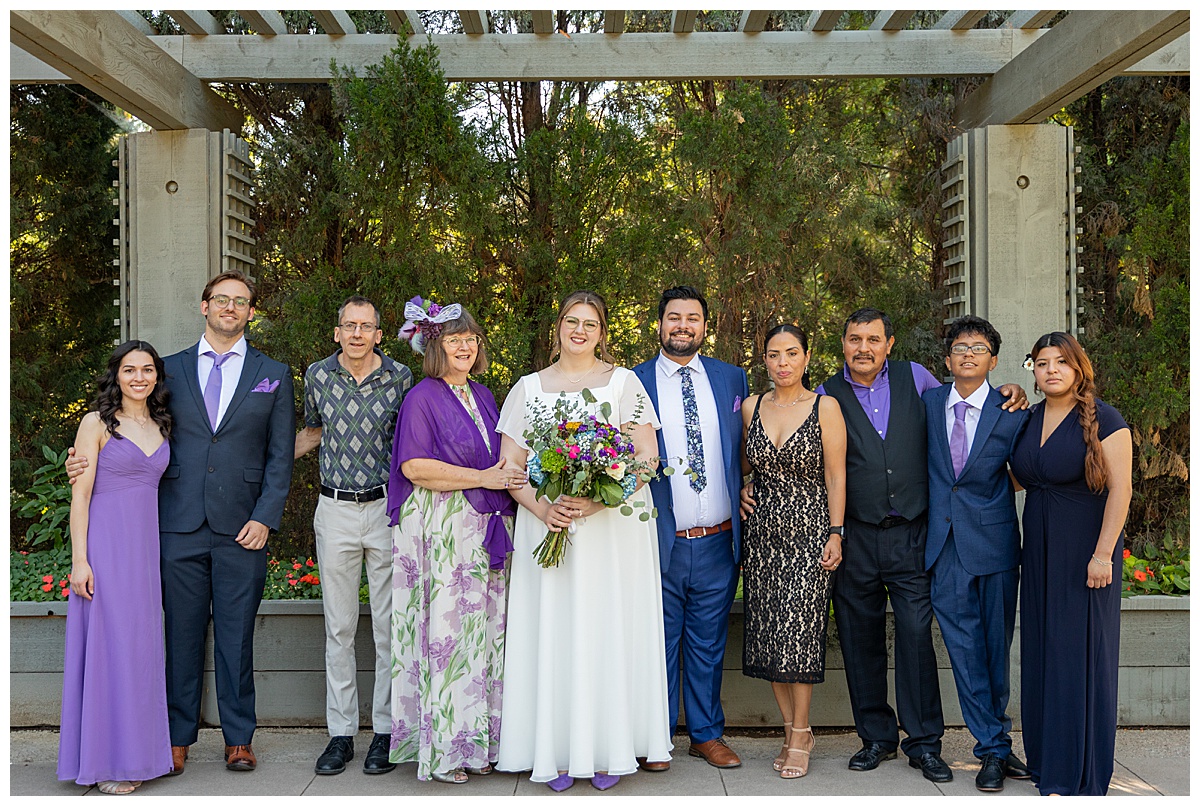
<point x="212" y="391"/>
<point x="958" y="437"/>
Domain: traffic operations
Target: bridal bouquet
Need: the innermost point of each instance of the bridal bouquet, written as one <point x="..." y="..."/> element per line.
<point x="572" y="452"/>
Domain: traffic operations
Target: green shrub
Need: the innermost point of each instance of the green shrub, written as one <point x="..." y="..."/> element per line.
<point x="48" y="501"/>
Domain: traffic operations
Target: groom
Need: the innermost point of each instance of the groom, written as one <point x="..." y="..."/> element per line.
<point x="699" y="534"/>
<point x="232" y="442"/>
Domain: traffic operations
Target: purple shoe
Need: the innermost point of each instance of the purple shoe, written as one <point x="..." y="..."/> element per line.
<point x="561" y="783"/>
<point x="602" y="781"/>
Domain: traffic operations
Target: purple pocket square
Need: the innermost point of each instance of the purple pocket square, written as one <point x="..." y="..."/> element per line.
<point x="265" y="385"/>
<point x="737" y="403"/>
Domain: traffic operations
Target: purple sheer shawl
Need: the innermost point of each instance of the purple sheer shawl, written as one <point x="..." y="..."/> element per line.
<point x="434" y="424"/>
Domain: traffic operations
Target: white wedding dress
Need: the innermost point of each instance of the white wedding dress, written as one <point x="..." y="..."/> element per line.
<point x="585" y="683"/>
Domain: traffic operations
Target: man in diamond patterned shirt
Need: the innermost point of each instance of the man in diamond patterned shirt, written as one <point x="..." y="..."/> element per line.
<point x="350" y="403"/>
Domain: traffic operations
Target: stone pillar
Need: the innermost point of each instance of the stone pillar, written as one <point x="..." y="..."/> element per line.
<point x="1009" y="216"/>
<point x="186" y="214"/>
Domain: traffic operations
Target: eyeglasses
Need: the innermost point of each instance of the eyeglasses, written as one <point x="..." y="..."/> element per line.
<point x="589" y="325"/>
<point x="366" y="327"/>
<point x="222" y="301"/>
<point x="977" y="349"/>
<point x="455" y="341"/>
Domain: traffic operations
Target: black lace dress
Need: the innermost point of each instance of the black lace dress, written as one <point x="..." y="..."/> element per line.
<point x="786" y="592"/>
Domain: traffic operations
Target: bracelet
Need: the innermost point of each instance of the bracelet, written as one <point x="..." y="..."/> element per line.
<point x="1099" y="561"/>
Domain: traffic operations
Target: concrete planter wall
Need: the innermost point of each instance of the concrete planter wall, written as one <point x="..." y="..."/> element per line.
<point x="289" y="653"/>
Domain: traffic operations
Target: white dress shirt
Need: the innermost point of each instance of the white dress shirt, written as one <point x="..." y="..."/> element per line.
<point x="231" y="371"/>
<point x="976" y="400"/>
<point x="709" y="507"/>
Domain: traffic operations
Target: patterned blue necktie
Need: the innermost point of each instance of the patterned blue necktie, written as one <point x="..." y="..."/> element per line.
<point x="691" y="421"/>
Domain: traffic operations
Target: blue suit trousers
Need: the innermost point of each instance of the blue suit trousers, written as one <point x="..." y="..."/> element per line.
<point x="976" y="615"/>
<point x="697" y="591"/>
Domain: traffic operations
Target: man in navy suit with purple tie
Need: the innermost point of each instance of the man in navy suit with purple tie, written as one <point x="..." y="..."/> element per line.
<point x="973" y="544"/>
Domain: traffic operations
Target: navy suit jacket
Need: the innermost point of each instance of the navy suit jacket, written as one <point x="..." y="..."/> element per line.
<point x="242" y="471"/>
<point x="729" y="388"/>
<point x="979" y="504"/>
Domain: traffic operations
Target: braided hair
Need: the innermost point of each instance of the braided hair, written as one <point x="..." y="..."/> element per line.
<point x="1084" y="392"/>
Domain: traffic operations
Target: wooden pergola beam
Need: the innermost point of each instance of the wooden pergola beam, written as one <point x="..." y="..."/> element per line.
<point x="959" y="20"/>
<point x="196" y="23"/>
<point x="1080" y="53"/>
<point x="113" y="59"/>
<point x="335" y="23"/>
<point x="753" y="21"/>
<point x="266" y="23"/>
<point x="1029" y="19"/>
<point x="229" y="58"/>
<point x="473" y="22"/>
<point x="404" y="22"/>
<point x="543" y="21"/>
<point x="614" y="22"/>
<point x="822" y="21"/>
<point x="683" y="22"/>
<point x="891" y="20"/>
<point x="137" y="21"/>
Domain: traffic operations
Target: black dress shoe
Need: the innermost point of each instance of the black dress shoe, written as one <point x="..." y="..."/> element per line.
<point x="991" y="774"/>
<point x="377" y="761"/>
<point x="869" y="757"/>
<point x="932" y="767"/>
<point x="1015" y="768"/>
<point x="339" y="750"/>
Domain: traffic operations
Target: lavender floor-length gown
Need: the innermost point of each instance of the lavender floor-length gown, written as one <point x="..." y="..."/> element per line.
<point x="114" y="705"/>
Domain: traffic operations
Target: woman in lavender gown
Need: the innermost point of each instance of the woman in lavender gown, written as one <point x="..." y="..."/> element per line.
<point x="114" y="704"/>
<point x="452" y="516"/>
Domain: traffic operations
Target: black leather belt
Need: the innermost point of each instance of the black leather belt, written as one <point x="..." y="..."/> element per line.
<point x="892" y="520"/>
<point x="362" y="497"/>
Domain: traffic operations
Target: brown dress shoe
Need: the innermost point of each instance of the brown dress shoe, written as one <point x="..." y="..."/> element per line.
<point x="240" y="758"/>
<point x="716" y="753"/>
<point x="179" y="754"/>
<point x="654" y="766"/>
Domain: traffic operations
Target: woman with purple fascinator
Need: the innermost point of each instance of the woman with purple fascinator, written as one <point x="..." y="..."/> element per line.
<point x="452" y="520"/>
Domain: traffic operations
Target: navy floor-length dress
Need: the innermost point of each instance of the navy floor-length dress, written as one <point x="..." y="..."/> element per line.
<point x="1070" y="633"/>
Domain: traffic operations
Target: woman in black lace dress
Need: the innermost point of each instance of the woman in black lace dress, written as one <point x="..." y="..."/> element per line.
<point x="795" y="442"/>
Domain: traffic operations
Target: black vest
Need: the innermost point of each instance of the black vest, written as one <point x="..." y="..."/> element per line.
<point x="885" y="474"/>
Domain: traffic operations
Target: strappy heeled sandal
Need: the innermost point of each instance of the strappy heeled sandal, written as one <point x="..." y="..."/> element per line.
<point x="787" y="739"/>
<point x="795" y="769"/>
<point x="450" y="776"/>
<point x="116" y="787"/>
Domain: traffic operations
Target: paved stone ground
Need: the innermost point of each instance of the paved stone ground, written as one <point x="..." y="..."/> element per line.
<point x="1149" y="762"/>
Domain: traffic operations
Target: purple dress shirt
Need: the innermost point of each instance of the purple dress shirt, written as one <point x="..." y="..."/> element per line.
<point x="876" y="399"/>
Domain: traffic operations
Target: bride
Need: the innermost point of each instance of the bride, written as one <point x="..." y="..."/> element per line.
<point x="585" y="686"/>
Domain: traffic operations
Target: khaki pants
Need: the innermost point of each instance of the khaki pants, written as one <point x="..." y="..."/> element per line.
<point x="347" y="535"/>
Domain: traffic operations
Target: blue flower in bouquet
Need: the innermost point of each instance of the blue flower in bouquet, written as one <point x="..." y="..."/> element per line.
<point x="534" y="465"/>
<point x="629" y="484"/>
<point x="584" y="439"/>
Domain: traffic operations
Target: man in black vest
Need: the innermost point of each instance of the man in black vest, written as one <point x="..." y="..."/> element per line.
<point x="883" y="554"/>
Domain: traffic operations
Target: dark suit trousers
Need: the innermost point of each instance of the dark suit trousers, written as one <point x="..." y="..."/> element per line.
<point x="878" y="564"/>
<point x="697" y="592"/>
<point x="207" y="573"/>
<point x="976" y="615"/>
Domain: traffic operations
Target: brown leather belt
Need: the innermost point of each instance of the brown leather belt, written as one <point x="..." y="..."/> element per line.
<point x="705" y="531"/>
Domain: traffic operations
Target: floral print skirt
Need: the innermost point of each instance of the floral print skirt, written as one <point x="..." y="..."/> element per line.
<point x="448" y="614"/>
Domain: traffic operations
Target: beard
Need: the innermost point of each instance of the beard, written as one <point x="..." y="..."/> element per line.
<point x="693" y="346"/>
